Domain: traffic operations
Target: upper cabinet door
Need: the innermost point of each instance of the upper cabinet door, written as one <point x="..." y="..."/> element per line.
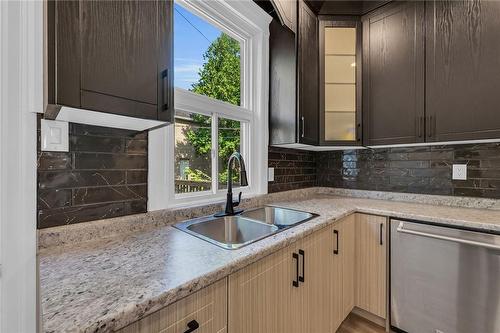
<point x="287" y="12"/>
<point x="308" y="76"/>
<point x="115" y="57"/>
<point x="282" y="85"/>
<point x="463" y="70"/>
<point x="393" y="74"/>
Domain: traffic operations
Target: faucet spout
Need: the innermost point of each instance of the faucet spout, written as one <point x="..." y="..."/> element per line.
<point x="243" y="182"/>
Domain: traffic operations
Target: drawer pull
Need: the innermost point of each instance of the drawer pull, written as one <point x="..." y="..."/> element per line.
<point x="192" y="326"/>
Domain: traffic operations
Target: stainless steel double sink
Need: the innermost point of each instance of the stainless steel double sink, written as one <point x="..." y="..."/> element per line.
<point x="233" y="232"/>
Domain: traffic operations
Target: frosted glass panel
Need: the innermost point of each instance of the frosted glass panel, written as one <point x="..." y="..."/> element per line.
<point x="340" y="41"/>
<point x="340" y="69"/>
<point x="340" y="97"/>
<point x="340" y="126"/>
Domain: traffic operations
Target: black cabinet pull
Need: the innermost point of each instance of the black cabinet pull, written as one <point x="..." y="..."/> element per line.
<point x="303" y="254"/>
<point x="381" y="234"/>
<point x="420" y="125"/>
<point x="164" y="90"/>
<point x="430" y="126"/>
<point x="295" y="282"/>
<point x="336" y="251"/>
<point x="192" y="326"/>
<point x="303" y="125"/>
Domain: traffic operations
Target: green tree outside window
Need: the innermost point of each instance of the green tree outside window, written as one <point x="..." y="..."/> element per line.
<point x="219" y="78"/>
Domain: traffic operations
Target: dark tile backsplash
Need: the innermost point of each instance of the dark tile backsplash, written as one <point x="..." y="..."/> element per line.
<point x="103" y="175"/>
<point x="293" y="169"/>
<point x="424" y="170"/>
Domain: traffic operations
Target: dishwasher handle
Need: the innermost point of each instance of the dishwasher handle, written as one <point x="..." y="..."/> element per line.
<point x="401" y="229"/>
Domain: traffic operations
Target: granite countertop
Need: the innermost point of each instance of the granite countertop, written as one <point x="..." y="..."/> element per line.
<point x="106" y="284"/>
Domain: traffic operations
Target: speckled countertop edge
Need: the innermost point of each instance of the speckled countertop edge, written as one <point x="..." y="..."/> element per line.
<point x="330" y="207"/>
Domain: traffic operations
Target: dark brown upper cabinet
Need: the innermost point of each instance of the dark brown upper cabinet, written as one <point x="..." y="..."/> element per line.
<point x="282" y="85"/>
<point x="293" y="99"/>
<point x="462" y="70"/>
<point x="308" y="75"/>
<point x="113" y="57"/>
<point x="393" y="74"/>
<point x="340" y="81"/>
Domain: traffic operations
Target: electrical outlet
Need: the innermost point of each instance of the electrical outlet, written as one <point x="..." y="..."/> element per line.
<point x="459" y="172"/>
<point x="270" y="174"/>
<point x="54" y="135"/>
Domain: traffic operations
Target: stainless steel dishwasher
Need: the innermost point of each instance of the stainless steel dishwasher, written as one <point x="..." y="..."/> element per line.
<point x="443" y="279"/>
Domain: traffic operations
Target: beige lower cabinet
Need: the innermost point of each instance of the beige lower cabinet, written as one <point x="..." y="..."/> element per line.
<point x="344" y="281"/>
<point x="207" y="308"/>
<point x="262" y="297"/>
<point x="371" y="264"/>
<point x="298" y="289"/>
<point x="320" y="284"/>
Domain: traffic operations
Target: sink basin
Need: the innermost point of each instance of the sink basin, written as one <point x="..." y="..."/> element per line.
<point x="233" y="232"/>
<point x="228" y="232"/>
<point x="280" y="217"/>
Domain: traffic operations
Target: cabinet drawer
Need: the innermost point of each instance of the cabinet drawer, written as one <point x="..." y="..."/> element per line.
<point x="207" y="307"/>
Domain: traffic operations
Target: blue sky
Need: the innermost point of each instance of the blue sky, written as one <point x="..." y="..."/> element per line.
<point x="189" y="45"/>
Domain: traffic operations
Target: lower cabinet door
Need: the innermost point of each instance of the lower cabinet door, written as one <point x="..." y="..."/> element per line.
<point x="371" y="261"/>
<point x="347" y="255"/>
<point x="343" y="270"/>
<point x="319" y="290"/>
<point x="263" y="297"/>
<point x="336" y="276"/>
<point x="205" y="309"/>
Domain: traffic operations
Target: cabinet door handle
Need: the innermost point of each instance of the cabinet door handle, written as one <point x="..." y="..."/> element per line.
<point x="295" y="282"/>
<point x="164" y="90"/>
<point x="303" y="122"/>
<point x="430" y="126"/>
<point x="420" y="125"/>
<point x="303" y="254"/>
<point x="336" y="251"/>
<point x="381" y="234"/>
<point x="192" y="326"/>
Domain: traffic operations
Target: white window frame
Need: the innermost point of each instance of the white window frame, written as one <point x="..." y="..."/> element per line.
<point x="249" y="24"/>
<point x="21" y="97"/>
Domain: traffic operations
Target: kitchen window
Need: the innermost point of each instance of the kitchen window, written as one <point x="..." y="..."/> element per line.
<point x="221" y="80"/>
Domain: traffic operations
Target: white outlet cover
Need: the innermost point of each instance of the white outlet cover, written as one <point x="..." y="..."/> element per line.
<point x="270" y="174"/>
<point x="459" y="172"/>
<point x="54" y="135"/>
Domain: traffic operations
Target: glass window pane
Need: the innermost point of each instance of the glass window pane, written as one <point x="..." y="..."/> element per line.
<point x="193" y="148"/>
<point x="340" y="69"/>
<point x="340" y="126"/>
<point x="340" y="41"/>
<point x="229" y="142"/>
<point x="340" y="97"/>
<point x="206" y="60"/>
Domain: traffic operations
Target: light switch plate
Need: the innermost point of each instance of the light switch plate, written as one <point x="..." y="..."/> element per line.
<point x="270" y="174"/>
<point x="54" y="135"/>
<point x="459" y="172"/>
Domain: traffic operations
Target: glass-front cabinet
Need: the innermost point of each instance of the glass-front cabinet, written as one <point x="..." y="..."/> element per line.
<point x="340" y="82"/>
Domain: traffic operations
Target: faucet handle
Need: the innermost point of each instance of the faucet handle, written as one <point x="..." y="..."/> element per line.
<point x="236" y="203"/>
